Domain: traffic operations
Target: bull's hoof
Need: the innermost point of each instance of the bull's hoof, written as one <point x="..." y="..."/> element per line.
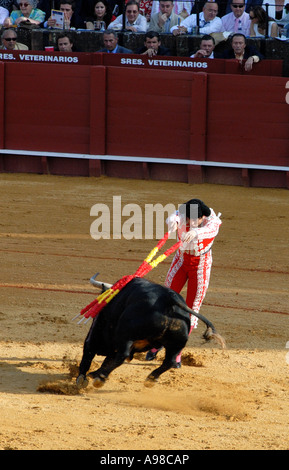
<point x="81" y="381"/>
<point x="150" y="356"/>
<point x="98" y="379"/>
<point x="98" y="382"/>
<point x="150" y="381"/>
<point x="177" y="365"/>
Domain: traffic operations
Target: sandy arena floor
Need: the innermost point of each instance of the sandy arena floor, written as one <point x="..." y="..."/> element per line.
<point x="232" y="399"/>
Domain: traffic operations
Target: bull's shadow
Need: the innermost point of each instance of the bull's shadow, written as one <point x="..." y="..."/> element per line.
<point x="15" y="380"/>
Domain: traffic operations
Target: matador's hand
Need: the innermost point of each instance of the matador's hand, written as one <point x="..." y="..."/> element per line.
<point x="189" y="236"/>
<point x="173" y="222"/>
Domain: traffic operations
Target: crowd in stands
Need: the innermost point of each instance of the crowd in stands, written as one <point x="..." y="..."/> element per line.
<point x="214" y="20"/>
<point x="165" y="16"/>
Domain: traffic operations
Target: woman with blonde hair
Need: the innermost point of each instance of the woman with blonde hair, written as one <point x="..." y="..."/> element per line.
<point x="27" y="13"/>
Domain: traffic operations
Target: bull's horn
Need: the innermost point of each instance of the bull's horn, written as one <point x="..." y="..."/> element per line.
<point x="98" y="283"/>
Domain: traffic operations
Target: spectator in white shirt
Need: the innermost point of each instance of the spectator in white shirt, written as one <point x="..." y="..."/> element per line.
<point x="238" y="21"/>
<point x="4" y="13"/>
<point x="209" y="22"/>
<point x="134" y="21"/>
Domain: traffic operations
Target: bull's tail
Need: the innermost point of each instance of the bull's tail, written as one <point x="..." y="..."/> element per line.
<point x="210" y="332"/>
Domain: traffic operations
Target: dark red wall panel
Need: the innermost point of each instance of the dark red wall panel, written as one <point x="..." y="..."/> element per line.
<point x="21" y="164"/>
<point x="198" y="125"/>
<point x="97" y="110"/>
<point x="148" y="112"/>
<point x="68" y="166"/>
<point x="2" y="99"/>
<point x="52" y="105"/>
<point x="248" y="120"/>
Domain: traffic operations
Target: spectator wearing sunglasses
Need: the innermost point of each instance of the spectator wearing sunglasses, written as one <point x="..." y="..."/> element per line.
<point x="238" y="21"/>
<point x="134" y="21"/>
<point x="249" y="4"/>
<point x="28" y="13"/>
<point x="259" y="19"/>
<point x="4" y="13"/>
<point x="9" y="41"/>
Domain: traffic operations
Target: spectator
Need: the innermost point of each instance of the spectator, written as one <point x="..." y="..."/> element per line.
<point x="4" y="13"/>
<point x="241" y="51"/>
<point x="209" y="22"/>
<point x="277" y="9"/>
<point x="9" y="41"/>
<point x="152" y="45"/>
<point x="163" y="21"/>
<point x="134" y="21"/>
<point x="198" y="6"/>
<point x="65" y="43"/>
<point x="182" y="9"/>
<point x="238" y="20"/>
<point x="101" y="12"/>
<point x="28" y="14"/>
<point x="71" y="18"/>
<point x="116" y="7"/>
<point x="207" y="47"/>
<point x="249" y="5"/>
<point x="110" y="40"/>
<point x="259" y="19"/>
<point x="77" y="6"/>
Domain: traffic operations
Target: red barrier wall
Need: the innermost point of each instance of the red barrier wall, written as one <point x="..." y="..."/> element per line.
<point x="102" y="110"/>
<point x="2" y="96"/>
<point x="188" y="64"/>
<point x="265" y="67"/>
<point x="52" y="106"/>
<point x="247" y="124"/>
<point x="149" y="113"/>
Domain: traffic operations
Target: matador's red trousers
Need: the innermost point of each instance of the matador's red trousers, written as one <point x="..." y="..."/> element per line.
<point x="196" y="271"/>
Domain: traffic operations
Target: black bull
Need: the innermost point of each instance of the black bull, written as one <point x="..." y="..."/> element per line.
<point x="143" y="315"/>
